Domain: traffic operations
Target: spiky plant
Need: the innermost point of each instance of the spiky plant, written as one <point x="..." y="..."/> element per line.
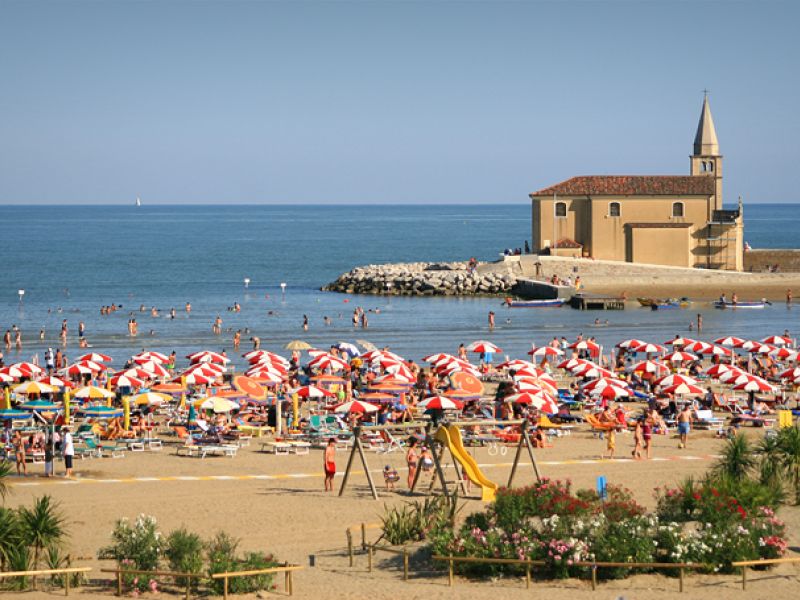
<point x="42" y="526"/>
<point x="737" y="460"/>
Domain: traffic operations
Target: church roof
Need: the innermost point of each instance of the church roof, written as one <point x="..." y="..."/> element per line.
<point x="632" y="185"/>
<point x="705" y="140"/>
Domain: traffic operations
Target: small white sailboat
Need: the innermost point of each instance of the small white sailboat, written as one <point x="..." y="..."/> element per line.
<point x="138" y="201"/>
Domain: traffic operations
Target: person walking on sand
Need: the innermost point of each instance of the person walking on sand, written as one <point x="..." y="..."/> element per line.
<point x="611" y="442"/>
<point x="637" y="440"/>
<point x="330" y="464"/>
<point x="411" y="461"/>
<point x="684" y="425"/>
<point x="68" y="448"/>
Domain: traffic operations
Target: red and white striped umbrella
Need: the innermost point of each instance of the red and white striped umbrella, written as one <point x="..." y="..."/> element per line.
<point x="28" y="369"/>
<point x="631" y="343"/>
<point x="125" y="381"/>
<point x="54" y="382"/>
<point x="312" y="391"/>
<point x="77" y="369"/>
<point x="208" y="369"/>
<point x="731" y="341"/>
<point x="95" y="357"/>
<point x="698" y="347"/>
<point x="719" y="370"/>
<point x="792" y="373"/>
<point x="680" y="357"/>
<point x="611" y="392"/>
<point x="266" y="363"/>
<point x="356" y="406"/>
<point x="208" y="356"/>
<point x="516" y="364"/>
<point x="542" y="401"/>
<point x="94" y="366"/>
<point x="482" y="347"/>
<point x="756" y="347"/>
<point x="756" y="384"/>
<point x="683" y="389"/>
<point x="194" y="379"/>
<point x="588" y="345"/>
<point x="720" y="351"/>
<point x="675" y="379"/>
<point x="784" y="354"/>
<point x="264" y="377"/>
<point x="735" y="377"/>
<point x="5" y="377"/>
<point x="144" y="357"/>
<point x="590" y="371"/>
<point x="530" y="384"/>
<point x="435" y="358"/>
<point x="265" y="370"/>
<point x="679" y="342"/>
<point x="136" y="373"/>
<point x="647" y="348"/>
<point x="440" y="402"/>
<point x="545" y="352"/>
<point x="401" y="371"/>
<point x="777" y="340"/>
<point x="571" y="363"/>
<point x="602" y="383"/>
<point x="650" y="366"/>
<point x="154" y="368"/>
<point x="327" y="361"/>
<point x="458" y="368"/>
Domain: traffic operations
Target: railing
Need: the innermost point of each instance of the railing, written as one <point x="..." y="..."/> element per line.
<point x="287" y="571"/>
<point x="65" y="571"/>
<point x="120" y="572"/>
<point x="757" y="563"/>
<point x="593" y="565"/>
<point x="399" y="551"/>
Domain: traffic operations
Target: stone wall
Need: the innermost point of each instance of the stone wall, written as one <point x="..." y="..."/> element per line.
<point x="759" y="261"/>
<point x="422" y="279"/>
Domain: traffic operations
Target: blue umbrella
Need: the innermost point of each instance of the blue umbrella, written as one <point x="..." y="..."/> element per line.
<point x="14" y="414"/>
<point x="39" y="405"/>
<point x="102" y="412"/>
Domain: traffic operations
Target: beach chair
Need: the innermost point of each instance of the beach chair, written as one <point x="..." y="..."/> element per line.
<point x="705" y="419"/>
<point x="276" y="447"/>
<point x="597" y="426"/>
<point x="99" y="449"/>
<point x="559" y="428"/>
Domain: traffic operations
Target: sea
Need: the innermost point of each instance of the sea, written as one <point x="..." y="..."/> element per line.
<point x="71" y="260"/>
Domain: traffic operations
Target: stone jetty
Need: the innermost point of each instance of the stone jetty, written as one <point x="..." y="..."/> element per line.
<point x="425" y="279"/>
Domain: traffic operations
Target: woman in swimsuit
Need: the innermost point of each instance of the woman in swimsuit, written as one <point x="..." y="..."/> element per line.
<point x="411" y="461"/>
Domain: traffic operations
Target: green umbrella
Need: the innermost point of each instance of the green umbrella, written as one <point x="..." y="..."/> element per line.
<point x="39" y="405"/>
<point x="102" y="412"/>
<point x="14" y="414"/>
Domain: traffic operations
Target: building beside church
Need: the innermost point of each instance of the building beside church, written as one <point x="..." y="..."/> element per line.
<point x="673" y="220"/>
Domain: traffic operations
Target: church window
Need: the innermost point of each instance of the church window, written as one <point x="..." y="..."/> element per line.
<point x="710" y="166"/>
<point x="613" y="209"/>
<point x="677" y="209"/>
<point x="561" y="209"/>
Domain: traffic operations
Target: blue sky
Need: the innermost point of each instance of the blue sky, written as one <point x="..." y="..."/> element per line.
<point x="387" y="102"/>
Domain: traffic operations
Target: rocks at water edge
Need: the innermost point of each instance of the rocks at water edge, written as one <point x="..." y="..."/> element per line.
<point x="422" y="279"/>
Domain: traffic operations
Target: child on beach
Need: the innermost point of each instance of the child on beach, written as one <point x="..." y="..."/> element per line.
<point x="330" y="464"/>
<point x="611" y="442"/>
<point x="390" y="477"/>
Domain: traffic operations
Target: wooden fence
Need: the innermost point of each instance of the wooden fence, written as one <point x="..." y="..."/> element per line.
<point x="64" y="571"/>
<point x="758" y="563"/>
<point x="287" y="571"/>
<point x="121" y="572"/>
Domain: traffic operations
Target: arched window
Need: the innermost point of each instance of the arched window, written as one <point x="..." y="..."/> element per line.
<point x="677" y="209"/>
<point x="613" y="209"/>
<point x="561" y="209"/>
<point x="710" y="166"/>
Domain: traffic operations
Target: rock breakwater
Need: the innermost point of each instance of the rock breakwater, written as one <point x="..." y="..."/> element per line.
<point x="423" y="279"/>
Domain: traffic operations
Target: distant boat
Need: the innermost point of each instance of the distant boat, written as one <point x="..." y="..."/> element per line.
<point x="138" y="201"/>
<point x="534" y="303"/>
<point x="721" y="304"/>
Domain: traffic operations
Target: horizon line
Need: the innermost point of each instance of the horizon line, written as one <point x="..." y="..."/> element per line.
<point x="310" y="204"/>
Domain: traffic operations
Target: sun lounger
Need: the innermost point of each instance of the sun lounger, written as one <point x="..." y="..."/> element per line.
<point x="277" y="448"/>
<point x="599" y="426"/>
<point x="203" y="450"/>
<point x="299" y="447"/>
<point x="705" y="419"/>
<point x="100" y="449"/>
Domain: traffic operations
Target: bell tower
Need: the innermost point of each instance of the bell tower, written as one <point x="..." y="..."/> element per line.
<point x="706" y="161"/>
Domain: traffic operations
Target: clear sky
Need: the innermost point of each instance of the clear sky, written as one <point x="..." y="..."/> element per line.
<point x="387" y="102"/>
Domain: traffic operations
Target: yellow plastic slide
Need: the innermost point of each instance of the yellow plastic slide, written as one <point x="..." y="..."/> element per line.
<point x="451" y="437"/>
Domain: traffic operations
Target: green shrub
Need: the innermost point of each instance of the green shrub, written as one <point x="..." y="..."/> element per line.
<point x="136" y="546"/>
<point x="184" y="553"/>
<point x="221" y="552"/>
<point x="10" y="535"/>
<point x="222" y="558"/>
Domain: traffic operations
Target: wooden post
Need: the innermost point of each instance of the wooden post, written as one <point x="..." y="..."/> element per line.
<point x="363" y="536"/>
<point x="369" y="559"/>
<point x="528" y="577"/>
<point x="437" y="463"/>
<point x="744" y="578"/>
<point x="594" y="577"/>
<point x="680" y="584"/>
<point x="188" y="587"/>
<point x="356" y="433"/>
<point x="225" y="587"/>
<point x="119" y="583"/>
<point x="66" y="583"/>
<point x="350" y="546"/>
<point x="450" y="572"/>
<point x="360" y="449"/>
<point x="405" y="564"/>
<point x="291" y="584"/>
<point x="530" y="449"/>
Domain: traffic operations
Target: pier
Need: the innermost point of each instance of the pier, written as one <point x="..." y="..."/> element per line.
<point x="594" y="302"/>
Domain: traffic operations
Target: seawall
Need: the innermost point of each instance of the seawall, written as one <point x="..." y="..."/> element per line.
<point x="759" y="261"/>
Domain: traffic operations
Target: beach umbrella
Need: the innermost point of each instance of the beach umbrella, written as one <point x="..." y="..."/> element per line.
<point x="777" y="340"/>
<point x="631" y="343"/>
<point x="679" y="341"/>
<point x="148" y="357"/>
<point x="461" y="395"/>
<point x="735" y="376"/>
<point x="249" y="387"/>
<point x="95" y="357"/>
<point x="206" y="356"/>
<point x="675" y="379"/>
<point x="12" y="414"/>
<point x="265" y="356"/>
<point x="125" y="381"/>
<point x="312" y="391"/>
<point x="680" y="357"/>
<point x="720" y="351"/>
<point x="377" y="397"/>
<point x="542" y="401"/>
<point x="328" y="361"/>
<point x="33" y="387"/>
<point x="6" y="378"/>
<point x="401" y="371"/>
<point x="602" y="383"/>
<point x="792" y="373"/>
<point x="150" y="399"/>
<point x="368" y="346"/>
<point x="732" y="341"/>
<point x="466" y="382"/>
<point x="591" y="371"/>
<point x="784" y="354"/>
<point x="54" y="381"/>
<point x="92" y="392"/>
<point x="169" y="388"/>
<point x="435" y="358"/>
<point x="571" y="363"/>
<point x="587" y="345"/>
<point x="683" y="389"/>
<point x="207" y="369"/>
<point x="328" y="380"/>
<point x="440" y="403"/>
<point x="154" y="368"/>
<point x="516" y="363"/>
<point x="698" y="347"/>
<point x="356" y="406"/>
<point x="298" y="345"/>
<point x="194" y="379"/>
<point x="719" y="369"/>
<point x="351" y="349"/>
<point x="545" y="352"/>
<point x="647" y="348"/>
<point x="264" y="376"/>
<point x="756" y="384"/>
<point x="28" y="369"/>
<point x="39" y="405"/>
<point x="483" y="347"/>
<point x="611" y="392"/>
<point x="650" y="366"/>
<point x="101" y="412"/>
<point x="216" y="404"/>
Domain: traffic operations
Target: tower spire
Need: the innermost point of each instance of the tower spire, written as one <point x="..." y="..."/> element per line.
<point x="705" y="140"/>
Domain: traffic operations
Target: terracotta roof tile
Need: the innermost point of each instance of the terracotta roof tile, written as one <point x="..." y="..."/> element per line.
<point x="568" y="243"/>
<point x="632" y="185"/>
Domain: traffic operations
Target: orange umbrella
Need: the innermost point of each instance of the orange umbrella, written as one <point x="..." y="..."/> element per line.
<point x="250" y="387"/>
<point x="169" y="387"/>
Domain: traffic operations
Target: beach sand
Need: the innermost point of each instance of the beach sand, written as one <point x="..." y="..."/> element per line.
<point x="289" y="515"/>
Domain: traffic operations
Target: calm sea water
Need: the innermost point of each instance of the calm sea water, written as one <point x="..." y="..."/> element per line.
<point x="71" y="260"/>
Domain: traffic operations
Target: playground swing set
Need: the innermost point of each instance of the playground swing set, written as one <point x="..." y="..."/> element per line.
<point x="446" y="438"/>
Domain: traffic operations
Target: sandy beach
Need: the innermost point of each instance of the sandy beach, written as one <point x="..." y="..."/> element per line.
<point x="276" y="503"/>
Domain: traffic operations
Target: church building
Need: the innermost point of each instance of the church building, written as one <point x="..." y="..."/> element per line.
<point x="673" y="220"/>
